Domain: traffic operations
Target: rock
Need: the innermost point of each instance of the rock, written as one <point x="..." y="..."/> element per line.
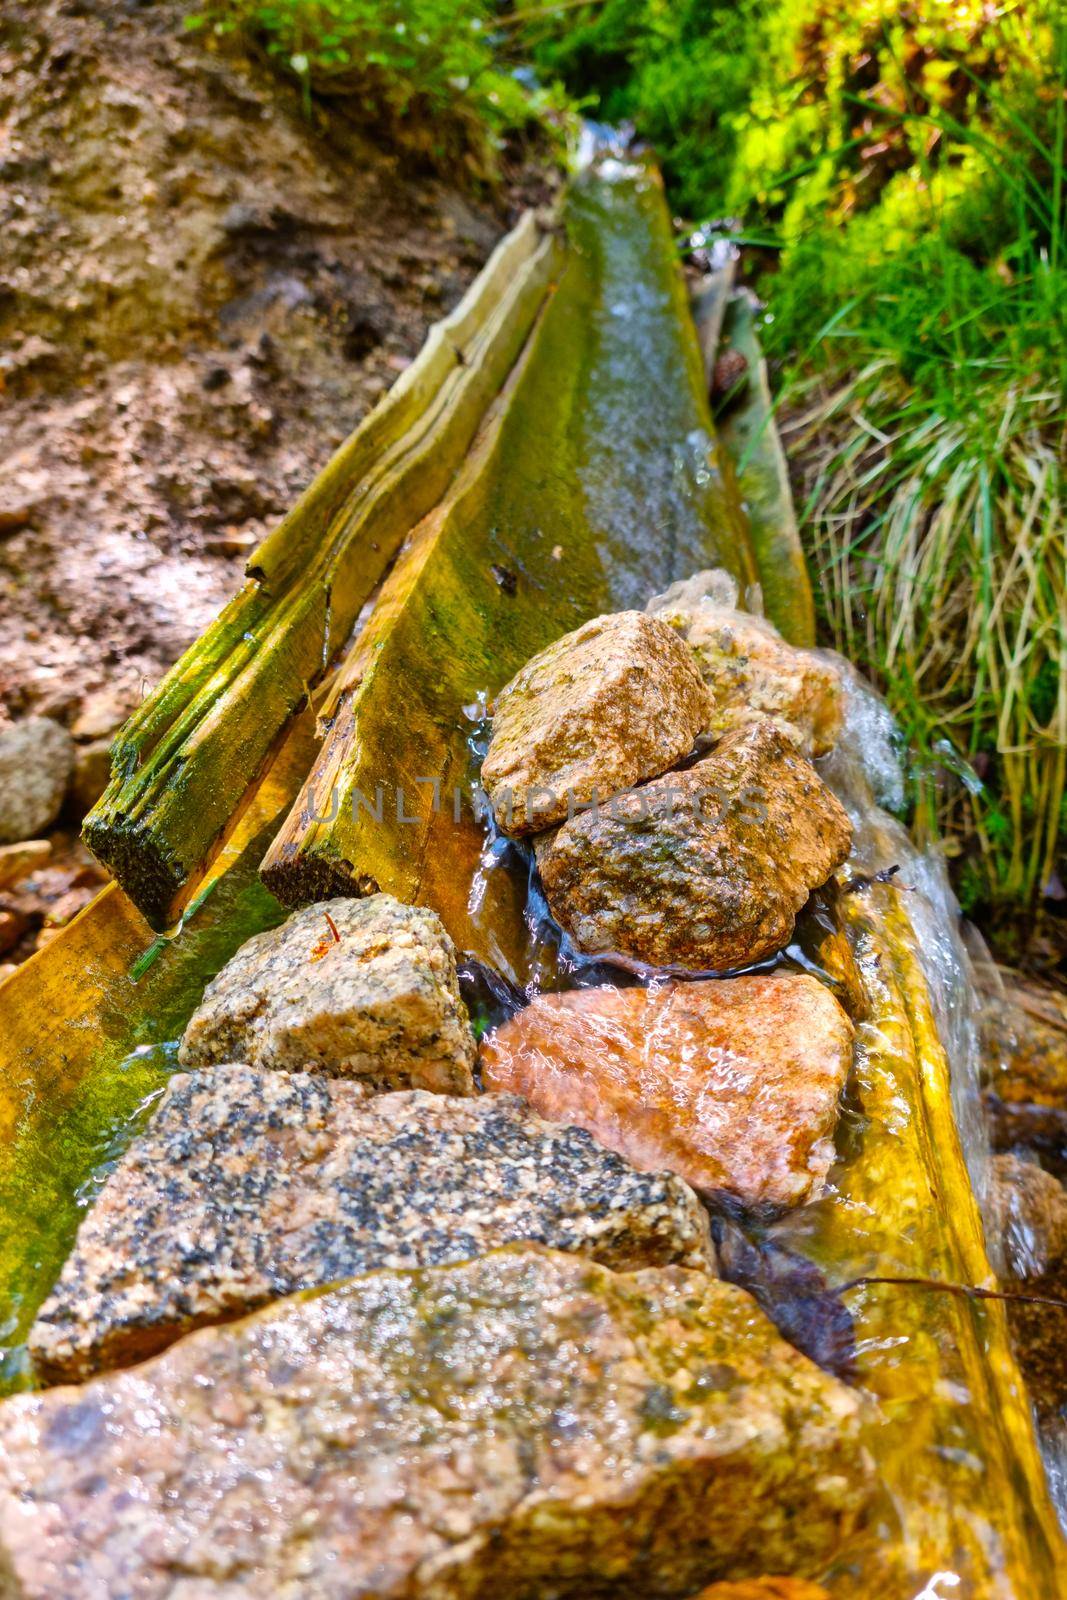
<point x="17" y="860"/>
<point x="1029" y="1213"/>
<point x="1024" y="1051"/>
<point x="35" y="762"/>
<point x="765" y="1589"/>
<point x="250" y="1185"/>
<point x="92" y="769"/>
<point x="1029" y="1207"/>
<point x="526" y="1424"/>
<point x="13" y="924"/>
<point x="749" y="669"/>
<point x="617" y="701"/>
<point x="103" y="712"/>
<point x="703" y="869"/>
<point x="731" y="1083"/>
<point x="380" y="1002"/>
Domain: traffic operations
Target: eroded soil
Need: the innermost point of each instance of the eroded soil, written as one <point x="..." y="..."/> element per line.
<point x="201" y="292"/>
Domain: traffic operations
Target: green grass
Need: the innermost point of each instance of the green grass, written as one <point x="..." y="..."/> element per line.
<point x="424" y="75"/>
<point x="928" y="422"/>
<point x="901" y="169"/>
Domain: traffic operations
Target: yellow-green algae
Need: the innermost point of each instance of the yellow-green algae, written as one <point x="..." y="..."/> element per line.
<point x="89" y="1028"/>
<point x="596" y="481"/>
<point x="750" y="438"/>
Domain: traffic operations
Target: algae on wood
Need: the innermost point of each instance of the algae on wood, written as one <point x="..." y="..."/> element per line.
<point x="596" y="481"/>
<point x="183" y="764"/>
<point x="89" y="1035"/>
<point x="750" y="437"/>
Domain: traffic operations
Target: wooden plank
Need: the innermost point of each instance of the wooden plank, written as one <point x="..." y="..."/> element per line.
<point x="184" y="762"/>
<point x="750" y="437"/>
<point x="595" y="482"/>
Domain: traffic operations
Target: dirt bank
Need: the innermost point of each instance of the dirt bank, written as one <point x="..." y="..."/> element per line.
<point x="201" y="292"/>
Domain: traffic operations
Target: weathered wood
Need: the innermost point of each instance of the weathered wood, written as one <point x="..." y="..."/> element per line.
<point x="750" y="437"/>
<point x="87" y="1033"/>
<point x="595" y="481"/>
<point x="184" y="763"/>
<point x="708" y="304"/>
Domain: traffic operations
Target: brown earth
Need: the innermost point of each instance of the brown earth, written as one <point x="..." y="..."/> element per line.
<point x="202" y="292"/>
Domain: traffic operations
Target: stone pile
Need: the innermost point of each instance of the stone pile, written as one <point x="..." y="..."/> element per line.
<point x="700" y="869"/>
<point x="383" y="1327"/>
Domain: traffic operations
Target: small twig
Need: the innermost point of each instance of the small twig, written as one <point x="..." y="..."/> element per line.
<point x="326" y="944"/>
<point x="967" y="1291"/>
<point x="859" y="884"/>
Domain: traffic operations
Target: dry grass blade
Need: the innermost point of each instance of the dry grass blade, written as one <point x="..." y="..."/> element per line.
<point x="940" y="550"/>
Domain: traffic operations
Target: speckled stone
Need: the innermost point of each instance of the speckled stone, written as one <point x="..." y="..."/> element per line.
<point x="750" y="670"/>
<point x="380" y="1003"/>
<point x="528" y="1425"/>
<point x="617" y="701"/>
<point x="733" y="1083"/>
<point x="703" y="869"/>
<point x="249" y="1185"/>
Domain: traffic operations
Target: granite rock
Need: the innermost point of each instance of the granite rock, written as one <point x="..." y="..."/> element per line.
<point x="35" y="764"/>
<point x="529" y="1424"/>
<point x="617" y="701"/>
<point x="379" y="1002"/>
<point x="732" y="1083"/>
<point x="750" y="671"/>
<point x="703" y="869"/>
<point x="250" y="1185"/>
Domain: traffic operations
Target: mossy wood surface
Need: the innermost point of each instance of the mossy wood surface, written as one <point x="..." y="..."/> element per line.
<point x="596" y="481"/>
<point x="184" y="763"/>
<point x="750" y="436"/>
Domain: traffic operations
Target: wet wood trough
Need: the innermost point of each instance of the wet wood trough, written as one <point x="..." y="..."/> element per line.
<point x="550" y="457"/>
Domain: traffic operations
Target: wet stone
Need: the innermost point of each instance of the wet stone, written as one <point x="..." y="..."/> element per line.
<point x="1029" y="1214"/>
<point x="1029" y="1209"/>
<point x="1024" y="1050"/>
<point x="751" y="672"/>
<point x="362" y="989"/>
<point x="615" y="702"/>
<point x="732" y="1083"/>
<point x="703" y="869"/>
<point x="528" y="1424"/>
<point x="250" y="1185"/>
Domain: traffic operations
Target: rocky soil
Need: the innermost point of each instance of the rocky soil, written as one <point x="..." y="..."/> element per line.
<point x="202" y="292"/>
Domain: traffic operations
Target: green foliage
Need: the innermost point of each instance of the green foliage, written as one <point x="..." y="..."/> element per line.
<point x="906" y="164"/>
<point x="423" y="74"/>
<point x="681" y="72"/>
